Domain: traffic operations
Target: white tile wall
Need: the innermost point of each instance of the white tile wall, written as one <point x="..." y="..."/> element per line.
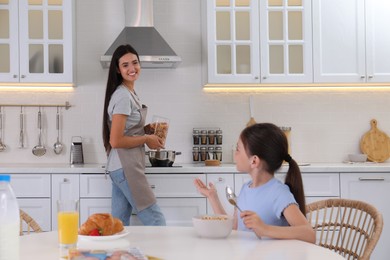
<point x="325" y="126"/>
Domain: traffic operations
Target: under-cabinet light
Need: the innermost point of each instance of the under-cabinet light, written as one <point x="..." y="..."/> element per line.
<point x="294" y="88"/>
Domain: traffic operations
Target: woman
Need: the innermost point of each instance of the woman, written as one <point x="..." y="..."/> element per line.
<point x="270" y="208"/>
<point x="124" y="140"/>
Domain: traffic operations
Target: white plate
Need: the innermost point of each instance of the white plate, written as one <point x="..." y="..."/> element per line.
<point x="105" y="238"/>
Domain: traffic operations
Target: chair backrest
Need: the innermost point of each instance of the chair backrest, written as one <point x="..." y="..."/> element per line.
<point x="349" y="227"/>
<point x="30" y="222"/>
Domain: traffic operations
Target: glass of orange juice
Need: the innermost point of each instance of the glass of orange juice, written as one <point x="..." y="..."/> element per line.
<point x="68" y="222"/>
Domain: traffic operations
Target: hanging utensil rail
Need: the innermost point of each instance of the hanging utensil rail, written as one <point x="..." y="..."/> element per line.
<point x="66" y="105"/>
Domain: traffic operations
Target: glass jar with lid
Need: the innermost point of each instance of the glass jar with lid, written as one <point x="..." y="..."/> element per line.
<point x="210" y="153"/>
<point x="196" y="137"/>
<point x="195" y="153"/>
<point x="203" y="137"/>
<point x="218" y="153"/>
<point x="203" y="153"/>
<point x="218" y="137"/>
<point x="211" y="136"/>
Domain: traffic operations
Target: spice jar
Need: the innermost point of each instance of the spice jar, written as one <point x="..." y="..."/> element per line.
<point x="195" y="154"/>
<point x="218" y="153"/>
<point x="203" y="137"/>
<point x="195" y="137"/>
<point x="287" y="131"/>
<point x="219" y="137"/>
<point x="211" y="136"/>
<point x="203" y="154"/>
<point x="210" y="154"/>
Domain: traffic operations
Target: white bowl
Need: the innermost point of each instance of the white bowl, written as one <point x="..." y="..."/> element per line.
<point x="359" y="157"/>
<point x="213" y="226"/>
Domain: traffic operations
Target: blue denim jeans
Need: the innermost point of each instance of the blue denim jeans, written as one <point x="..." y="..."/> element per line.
<point x="122" y="203"/>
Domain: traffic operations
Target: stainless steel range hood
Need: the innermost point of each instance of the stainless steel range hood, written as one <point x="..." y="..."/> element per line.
<point x="154" y="52"/>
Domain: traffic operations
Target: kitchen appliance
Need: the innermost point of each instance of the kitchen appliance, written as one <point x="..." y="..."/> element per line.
<point x="139" y="32"/>
<point x="162" y="158"/>
<point x="76" y="150"/>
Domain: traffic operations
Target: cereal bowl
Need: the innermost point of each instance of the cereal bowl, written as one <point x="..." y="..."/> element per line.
<point x="213" y="226"/>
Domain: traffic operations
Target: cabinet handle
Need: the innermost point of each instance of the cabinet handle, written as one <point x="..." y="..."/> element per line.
<point x="15" y="76"/>
<point x="264" y="77"/>
<point x="220" y="179"/>
<point x="370" y="76"/>
<point x="66" y="180"/>
<point x="152" y="186"/>
<point x="256" y="77"/>
<point x="23" y="76"/>
<point x="362" y="77"/>
<point x="371" y="179"/>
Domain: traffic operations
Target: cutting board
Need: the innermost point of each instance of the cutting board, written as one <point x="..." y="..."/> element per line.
<point x="375" y="143"/>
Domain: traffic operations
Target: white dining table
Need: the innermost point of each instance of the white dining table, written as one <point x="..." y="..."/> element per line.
<point x="171" y="243"/>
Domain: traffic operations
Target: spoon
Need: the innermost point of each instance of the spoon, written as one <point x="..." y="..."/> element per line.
<point x="2" y="146"/>
<point x="231" y="197"/>
<point x="39" y="149"/>
<point x="58" y="145"/>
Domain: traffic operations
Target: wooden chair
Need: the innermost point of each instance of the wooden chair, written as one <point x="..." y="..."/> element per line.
<point x="349" y="227"/>
<point x="31" y="224"/>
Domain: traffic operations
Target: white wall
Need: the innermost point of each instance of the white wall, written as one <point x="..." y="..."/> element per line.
<point x="326" y="126"/>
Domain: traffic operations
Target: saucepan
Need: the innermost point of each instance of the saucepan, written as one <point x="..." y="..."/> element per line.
<point x="162" y="158"/>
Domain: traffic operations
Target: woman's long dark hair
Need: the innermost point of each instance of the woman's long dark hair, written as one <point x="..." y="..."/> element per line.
<point x="113" y="81"/>
<point x="270" y="144"/>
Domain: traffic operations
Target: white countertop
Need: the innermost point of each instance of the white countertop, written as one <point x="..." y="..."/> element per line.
<point x="191" y="168"/>
<point x="171" y="243"/>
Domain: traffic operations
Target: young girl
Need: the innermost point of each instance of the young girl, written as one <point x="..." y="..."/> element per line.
<point x="269" y="207"/>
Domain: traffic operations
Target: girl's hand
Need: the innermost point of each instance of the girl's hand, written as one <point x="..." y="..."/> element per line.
<point x="154" y="142"/>
<point x="203" y="189"/>
<point x="253" y="221"/>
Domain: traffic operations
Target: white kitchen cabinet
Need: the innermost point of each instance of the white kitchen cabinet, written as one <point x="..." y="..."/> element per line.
<point x="36" y="41"/>
<point x="64" y="187"/>
<point x="33" y="193"/>
<point x="240" y="34"/>
<point x="350" y="41"/>
<point x="177" y="197"/>
<point x="95" y="195"/>
<point x="373" y="188"/>
<point x="220" y="181"/>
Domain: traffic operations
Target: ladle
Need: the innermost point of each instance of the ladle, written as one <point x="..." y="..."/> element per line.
<point x="2" y="146"/>
<point x="58" y="145"/>
<point x="231" y="197"/>
<point x="39" y="149"/>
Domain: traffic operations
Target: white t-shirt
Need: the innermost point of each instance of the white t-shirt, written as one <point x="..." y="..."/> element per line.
<point x="268" y="201"/>
<point x="124" y="103"/>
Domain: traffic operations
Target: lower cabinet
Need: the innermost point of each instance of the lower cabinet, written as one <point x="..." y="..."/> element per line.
<point x="33" y="192"/>
<point x="220" y="182"/>
<point x="373" y="188"/>
<point x="177" y="197"/>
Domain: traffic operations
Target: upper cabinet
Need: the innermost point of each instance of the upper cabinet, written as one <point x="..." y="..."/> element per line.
<point x="298" y="41"/>
<point x="253" y="41"/>
<point x="351" y="41"/>
<point x="36" y="41"/>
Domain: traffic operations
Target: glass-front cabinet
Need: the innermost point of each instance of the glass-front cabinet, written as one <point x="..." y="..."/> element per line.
<point x="253" y="41"/>
<point x="36" y="41"/>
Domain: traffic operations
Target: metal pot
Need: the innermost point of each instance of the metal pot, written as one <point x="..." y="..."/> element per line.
<point x="162" y="158"/>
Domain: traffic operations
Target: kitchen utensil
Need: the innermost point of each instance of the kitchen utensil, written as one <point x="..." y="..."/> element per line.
<point x="375" y="143"/>
<point x="231" y="197"/>
<point x="58" y="145"/>
<point x="76" y="150"/>
<point x="21" y="133"/>
<point x="2" y="146"/>
<point x="251" y="120"/>
<point x="162" y="158"/>
<point x="39" y="149"/>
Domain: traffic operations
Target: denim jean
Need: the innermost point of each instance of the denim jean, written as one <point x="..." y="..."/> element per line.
<point x="122" y="203"/>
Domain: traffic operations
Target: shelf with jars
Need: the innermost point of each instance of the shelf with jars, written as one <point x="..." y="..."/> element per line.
<point x="207" y="143"/>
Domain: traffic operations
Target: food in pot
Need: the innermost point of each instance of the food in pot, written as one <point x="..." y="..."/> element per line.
<point x="101" y="224"/>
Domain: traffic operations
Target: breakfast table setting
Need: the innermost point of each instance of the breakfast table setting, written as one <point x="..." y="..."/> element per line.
<point x="174" y="242"/>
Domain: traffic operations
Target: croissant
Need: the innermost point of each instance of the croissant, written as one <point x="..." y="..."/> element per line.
<point x="104" y="222"/>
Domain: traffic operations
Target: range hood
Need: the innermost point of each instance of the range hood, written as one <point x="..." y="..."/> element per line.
<point x="154" y="52"/>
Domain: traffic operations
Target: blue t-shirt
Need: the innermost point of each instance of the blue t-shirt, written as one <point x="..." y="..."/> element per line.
<point x="268" y="201"/>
